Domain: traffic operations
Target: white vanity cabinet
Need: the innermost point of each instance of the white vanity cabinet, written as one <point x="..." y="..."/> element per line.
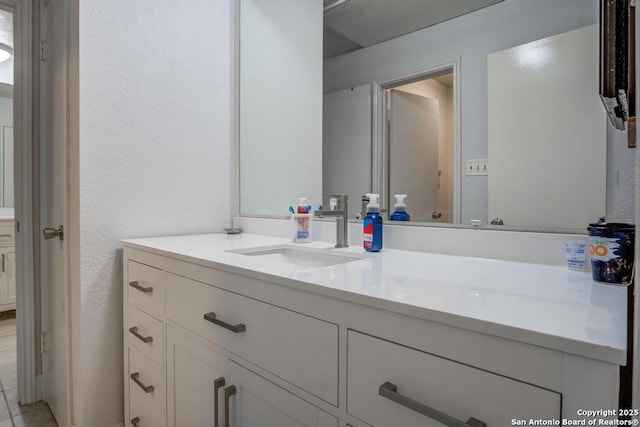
<point x="260" y="402"/>
<point x="232" y="346"/>
<point x="388" y="382"/>
<point x="211" y="335"/>
<point x="144" y="345"/>
<point x="7" y="266"/>
<point x="197" y="375"/>
<point x="204" y="383"/>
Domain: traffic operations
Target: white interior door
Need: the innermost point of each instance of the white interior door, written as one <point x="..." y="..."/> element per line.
<point x="533" y="91"/>
<point x="413" y="153"/>
<point x="54" y="208"/>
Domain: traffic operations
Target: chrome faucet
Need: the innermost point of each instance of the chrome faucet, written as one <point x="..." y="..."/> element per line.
<point x="340" y="213"/>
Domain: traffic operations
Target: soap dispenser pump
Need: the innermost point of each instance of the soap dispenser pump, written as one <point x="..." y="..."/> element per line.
<point x="400" y="209"/>
<point x="372" y="238"/>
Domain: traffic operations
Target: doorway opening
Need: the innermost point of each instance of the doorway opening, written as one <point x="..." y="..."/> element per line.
<point x="419" y="145"/>
<point x="8" y="328"/>
<point x="20" y="321"/>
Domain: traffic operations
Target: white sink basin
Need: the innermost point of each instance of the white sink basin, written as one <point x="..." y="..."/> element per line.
<point x="309" y="257"/>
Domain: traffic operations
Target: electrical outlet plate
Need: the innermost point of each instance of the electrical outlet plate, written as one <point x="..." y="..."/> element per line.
<point x="477" y="167"/>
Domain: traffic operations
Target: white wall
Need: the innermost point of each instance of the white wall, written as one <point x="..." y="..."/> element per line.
<point x="280" y="104"/>
<point x="155" y="133"/>
<point x="498" y="27"/>
<point x="621" y="177"/>
<point x="346" y="145"/>
<point x="6" y="71"/>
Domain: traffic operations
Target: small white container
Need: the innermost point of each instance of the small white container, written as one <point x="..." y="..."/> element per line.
<point x="301" y="227"/>
<point x="576" y="254"/>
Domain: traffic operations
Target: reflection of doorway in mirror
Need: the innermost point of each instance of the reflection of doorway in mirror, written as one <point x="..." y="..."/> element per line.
<point x="420" y="147"/>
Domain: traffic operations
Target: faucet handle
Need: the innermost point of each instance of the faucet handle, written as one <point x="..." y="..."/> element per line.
<point x="340" y="197"/>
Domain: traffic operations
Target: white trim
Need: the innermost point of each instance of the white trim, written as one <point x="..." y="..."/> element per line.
<point x="636" y="315"/>
<point x="23" y="167"/>
<point x="73" y="215"/>
<point x="235" y="198"/>
<point x="379" y="157"/>
<point x="457" y="144"/>
<point x="39" y="387"/>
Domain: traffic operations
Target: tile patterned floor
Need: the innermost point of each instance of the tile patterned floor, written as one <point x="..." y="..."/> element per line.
<point x="12" y="414"/>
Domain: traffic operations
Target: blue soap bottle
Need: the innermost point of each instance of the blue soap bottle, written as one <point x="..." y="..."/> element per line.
<point x="372" y="238"/>
<point x="400" y="209"/>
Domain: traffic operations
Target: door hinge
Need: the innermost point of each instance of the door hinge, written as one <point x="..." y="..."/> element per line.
<point x="43" y="50"/>
<point x="43" y="343"/>
<point x="17" y="226"/>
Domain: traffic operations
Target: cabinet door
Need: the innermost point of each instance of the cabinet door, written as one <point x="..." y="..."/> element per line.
<point x="7" y="278"/>
<point x="260" y="403"/>
<point x="10" y="271"/>
<point x="192" y="369"/>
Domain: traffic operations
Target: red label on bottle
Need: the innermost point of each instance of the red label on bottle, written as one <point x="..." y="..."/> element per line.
<point x="368" y="235"/>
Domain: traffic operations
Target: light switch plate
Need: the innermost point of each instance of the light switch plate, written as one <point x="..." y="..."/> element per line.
<point x="477" y="167"/>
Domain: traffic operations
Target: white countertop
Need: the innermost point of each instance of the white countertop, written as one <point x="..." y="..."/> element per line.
<point x="542" y="305"/>
<point x="6" y="214"/>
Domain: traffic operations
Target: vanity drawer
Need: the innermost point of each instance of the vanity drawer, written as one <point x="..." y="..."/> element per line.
<point x="146" y="334"/>
<point x="424" y="381"/>
<point x="7" y="234"/>
<point x="300" y="349"/>
<point x="145" y="289"/>
<point x="141" y="415"/>
<point x="147" y="385"/>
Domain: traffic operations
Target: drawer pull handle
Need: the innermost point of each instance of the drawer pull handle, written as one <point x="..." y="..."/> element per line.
<point x="136" y="378"/>
<point x="134" y="331"/>
<point x="136" y="284"/>
<point x="211" y="317"/>
<point x="5" y="235"/>
<point x="390" y="391"/>
<point x="217" y="383"/>
<point x="228" y="392"/>
<point x="135" y="422"/>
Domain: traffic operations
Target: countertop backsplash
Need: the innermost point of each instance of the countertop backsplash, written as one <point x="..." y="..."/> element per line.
<point x="521" y="246"/>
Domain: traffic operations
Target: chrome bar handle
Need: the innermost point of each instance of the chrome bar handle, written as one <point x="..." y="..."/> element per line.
<point x="3" y="270"/>
<point x="135" y="284"/>
<point x="136" y="378"/>
<point x="228" y="392"/>
<point x="135" y="333"/>
<point x="135" y="422"/>
<point x="5" y="235"/>
<point x="217" y="383"/>
<point x="390" y="391"/>
<point x="211" y="317"/>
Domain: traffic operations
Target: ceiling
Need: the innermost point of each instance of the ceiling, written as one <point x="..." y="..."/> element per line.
<point x="361" y="23"/>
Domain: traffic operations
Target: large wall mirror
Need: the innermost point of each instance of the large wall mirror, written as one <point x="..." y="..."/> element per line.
<point x="475" y="110"/>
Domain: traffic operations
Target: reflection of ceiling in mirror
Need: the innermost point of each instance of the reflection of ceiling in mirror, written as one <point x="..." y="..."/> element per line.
<point x="6" y="27"/>
<point x="368" y="22"/>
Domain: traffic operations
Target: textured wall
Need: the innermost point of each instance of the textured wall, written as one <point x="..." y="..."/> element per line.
<point x="621" y="177"/>
<point x="155" y="155"/>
